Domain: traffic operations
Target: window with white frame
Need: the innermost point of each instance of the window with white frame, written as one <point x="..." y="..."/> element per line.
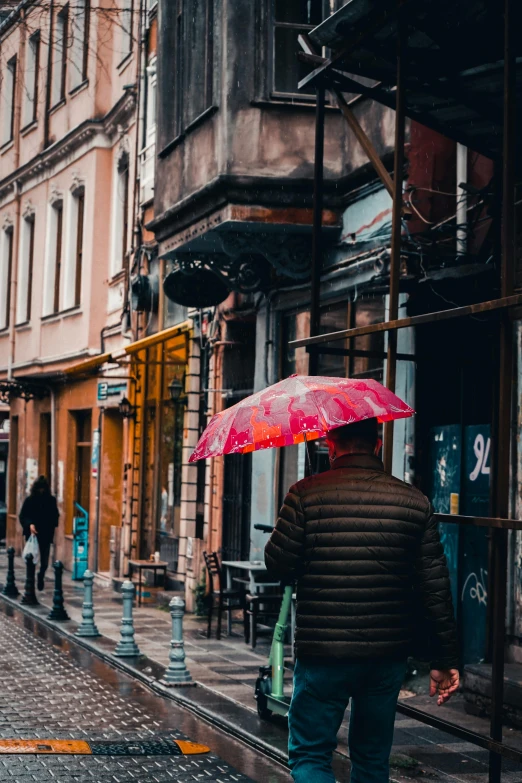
<point x="60" y="56"/>
<point x="6" y="265"/>
<point x="32" y="65"/>
<point x="289" y="19"/>
<point x="8" y="101"/>
<point x="53" y="258"/>
<point x="120" y="216"/>
<point x="74" y="255"/>
<point x="148" y="153"/>
<point x="80" y="42"/>
<point x="25" y="270"/>
<point x="126" y="28"/>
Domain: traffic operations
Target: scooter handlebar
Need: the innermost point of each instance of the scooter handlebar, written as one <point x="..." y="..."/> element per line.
<point x="264" y="528"/>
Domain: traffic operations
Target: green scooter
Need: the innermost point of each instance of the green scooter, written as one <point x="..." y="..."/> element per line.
<point x="269" y="692"/>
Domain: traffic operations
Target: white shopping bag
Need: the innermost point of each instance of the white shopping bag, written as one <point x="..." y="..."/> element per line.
<point x="32" y="548"/>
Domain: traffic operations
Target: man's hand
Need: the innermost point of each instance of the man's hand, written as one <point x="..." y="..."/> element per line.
<point x="33" y="530"/>
<point x="443" y="683"/>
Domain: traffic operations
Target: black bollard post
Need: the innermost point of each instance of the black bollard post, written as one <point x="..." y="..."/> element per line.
<point x="29" y="597"/>
<point x="10" y="587"/>
<point x="58" y="612"/>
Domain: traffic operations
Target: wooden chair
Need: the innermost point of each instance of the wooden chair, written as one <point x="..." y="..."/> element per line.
<point x="227" y="600"/>
<point x="271" y="605"/>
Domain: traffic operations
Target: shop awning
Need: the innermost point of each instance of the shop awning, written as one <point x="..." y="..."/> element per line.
<point x="176" y="349"/>
<point x="87" y="365"/>
<point x="154" y="339"/>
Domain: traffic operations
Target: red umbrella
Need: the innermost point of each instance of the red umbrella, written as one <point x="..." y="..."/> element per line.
<point x="300" y="408"/>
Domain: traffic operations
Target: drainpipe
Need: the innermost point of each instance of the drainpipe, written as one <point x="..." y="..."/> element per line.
<point x="47" y="108"/>
<point x="462" y="199"/>
<point x="17" y="124"/>
<point x="54" y="451"/>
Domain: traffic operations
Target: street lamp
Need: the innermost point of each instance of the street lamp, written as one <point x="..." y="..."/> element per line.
<point x="175" y="391"/>
<point x="126" y="409"/>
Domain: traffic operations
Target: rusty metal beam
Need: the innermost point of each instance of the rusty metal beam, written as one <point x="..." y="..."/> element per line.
<point x="395" y="259"/>
<point x="344" y="82"/>
<point x="374" y="20"/>
<point x="415" y="320"/>
<point x="494" y="522"/>
<point x="403" y="357"/>
<point x="352" y="121"/>
<point x="459" y="731"/>
<point x="317" y="243"/>
<point x="502" y="436"/>
<point x="364" y="141"/>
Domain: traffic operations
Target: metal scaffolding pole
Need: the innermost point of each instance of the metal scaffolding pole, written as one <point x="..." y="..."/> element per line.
<point x="395" y="262"/>
<point x="317" y="245"/>
<point x="499" y="541"/>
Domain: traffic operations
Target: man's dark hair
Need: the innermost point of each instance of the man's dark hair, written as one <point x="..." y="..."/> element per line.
<point x="41" y="483"/>
<point x="359" y="435"/>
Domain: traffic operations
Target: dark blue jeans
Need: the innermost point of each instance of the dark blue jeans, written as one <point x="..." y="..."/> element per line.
<point x="321" y="695"/>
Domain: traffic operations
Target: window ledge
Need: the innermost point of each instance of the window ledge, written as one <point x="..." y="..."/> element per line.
<point x="57" y="106"/>
<point x="4" y="332"/>
<point x="23" y="326"/>
<point x="123" y="63"/>
<point x="76" y="310"/>
<point x="29" y="127"/>
<point x="6" y="146"/>
<point x="79" y="88"/>
<point x="287" y="102"/>
<point x="200" y="119"/>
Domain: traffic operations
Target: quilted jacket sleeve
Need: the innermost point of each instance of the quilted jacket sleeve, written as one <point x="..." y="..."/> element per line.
<point x="284" y="552"/>
<point x="435" y="594"/>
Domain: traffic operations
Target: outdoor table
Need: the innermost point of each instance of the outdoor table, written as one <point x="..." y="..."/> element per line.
<point x="253" y="568"/>
<point x="147" y="565"/>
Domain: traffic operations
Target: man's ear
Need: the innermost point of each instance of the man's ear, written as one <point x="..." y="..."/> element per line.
<point x="378" y="447"/>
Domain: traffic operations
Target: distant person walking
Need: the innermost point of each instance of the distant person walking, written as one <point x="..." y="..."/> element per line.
<point x="372" y="580"/>
<point x="39" y="516"/>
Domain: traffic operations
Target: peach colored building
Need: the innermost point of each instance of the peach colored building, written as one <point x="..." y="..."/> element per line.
<point x="68" y="124"/>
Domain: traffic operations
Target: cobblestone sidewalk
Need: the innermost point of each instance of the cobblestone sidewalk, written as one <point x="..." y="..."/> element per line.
<point x="229" y="668"/>
<point x="49" y="691"/>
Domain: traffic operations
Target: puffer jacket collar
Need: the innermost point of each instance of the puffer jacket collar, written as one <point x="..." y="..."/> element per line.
<point x="366" y="461"/>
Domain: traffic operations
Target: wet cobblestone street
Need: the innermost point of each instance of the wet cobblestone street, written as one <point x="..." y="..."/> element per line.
<point x="50" y="689"/>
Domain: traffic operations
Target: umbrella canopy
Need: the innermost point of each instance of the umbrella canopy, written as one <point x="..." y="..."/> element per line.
<point x="298" y="408"/>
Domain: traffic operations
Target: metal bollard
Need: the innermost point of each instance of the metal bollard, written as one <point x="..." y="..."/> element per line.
<point x="10" y="587"/>
<point x="88" y="626"/>
<point x="29" y="597"/>
<point x="58" y="612"/>
<point x="127" y="647"/>
<point x="177" y="672"/>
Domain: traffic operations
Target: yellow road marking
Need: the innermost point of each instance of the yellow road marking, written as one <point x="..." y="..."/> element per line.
<point x="191" y="748"/>
<point x="14" y="746"/>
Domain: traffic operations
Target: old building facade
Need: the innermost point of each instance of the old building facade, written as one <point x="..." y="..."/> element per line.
<point x="69" y="125"/>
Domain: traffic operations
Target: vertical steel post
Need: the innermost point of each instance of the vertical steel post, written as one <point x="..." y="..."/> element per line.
<point x="58" y="612"/>
<point x="127" y="647"/>
<point x="88" y="626"/>
<point x="395" y="261"/>
<point x="499" y="538"/>
<point x="177" y="672"/>
<point x="10" y="588"/>
<point x="317" y="243"/>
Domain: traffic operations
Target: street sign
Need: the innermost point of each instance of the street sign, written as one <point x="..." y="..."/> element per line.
<point x="111" y="393"/>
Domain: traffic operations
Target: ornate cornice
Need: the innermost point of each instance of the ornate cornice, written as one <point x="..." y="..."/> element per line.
<point x="116" y="121"/>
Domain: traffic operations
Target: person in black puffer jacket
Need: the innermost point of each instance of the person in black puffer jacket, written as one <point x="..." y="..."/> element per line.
<point x="372" y="581"/>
